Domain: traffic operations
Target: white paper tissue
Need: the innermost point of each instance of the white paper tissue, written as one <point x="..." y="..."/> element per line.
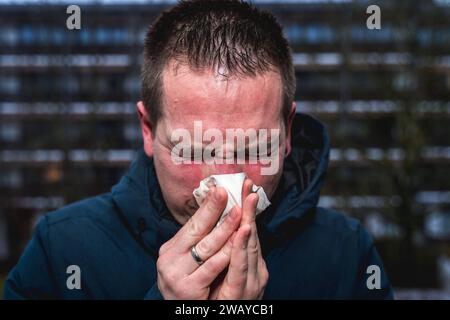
<point x="233" y="185"/>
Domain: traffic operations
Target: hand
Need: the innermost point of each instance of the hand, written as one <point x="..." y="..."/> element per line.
<point x="247" y="273"/>
<point x="179" y="275"/>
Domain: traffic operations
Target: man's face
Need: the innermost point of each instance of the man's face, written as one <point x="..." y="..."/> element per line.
<point x="219" y="103"/>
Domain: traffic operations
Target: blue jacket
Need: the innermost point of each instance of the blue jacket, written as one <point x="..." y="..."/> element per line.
<point x="114" y="238"/>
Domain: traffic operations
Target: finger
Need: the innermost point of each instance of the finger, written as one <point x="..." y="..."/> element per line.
<point x="253" y="254"/>
<point x="262" y="267"/>
<point x="236" y="278"/>
<point x="208" y="271"/>
<point x="247" y="188"/>
<point x="253" y="249"/>
<point x="263" y="275"/>
<point x="249" y="209"/>
<point x="216" y="285"/>
<point x="262" y="272"/>
<point x="203" y="221"/>
<point x="215" y="240"/>
<point x="261" y="263"/>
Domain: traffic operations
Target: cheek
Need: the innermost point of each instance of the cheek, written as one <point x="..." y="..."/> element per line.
<point x="190" y="175"/>
<point x="268" y="182"/>
<point x="254" y="172"/>
<point x="186" y="177"/>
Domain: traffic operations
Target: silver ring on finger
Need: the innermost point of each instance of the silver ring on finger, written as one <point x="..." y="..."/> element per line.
<point x="195" y="255"/>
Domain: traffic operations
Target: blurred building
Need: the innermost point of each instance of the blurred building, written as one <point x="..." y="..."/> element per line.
<point x="68" y="127"/>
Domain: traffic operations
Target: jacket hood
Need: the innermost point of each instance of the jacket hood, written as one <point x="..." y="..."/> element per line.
<point x="142" y="208"/>
<point x="303" y="173"/>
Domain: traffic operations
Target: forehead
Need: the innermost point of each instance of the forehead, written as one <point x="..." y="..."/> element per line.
<point x="218" y="101"/>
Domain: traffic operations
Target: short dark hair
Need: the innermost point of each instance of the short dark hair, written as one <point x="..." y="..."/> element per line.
<point x="229" y="34"/>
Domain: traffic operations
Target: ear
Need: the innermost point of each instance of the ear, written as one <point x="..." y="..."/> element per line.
<point x="146" y="128"/>
<point x="289" y="128"/>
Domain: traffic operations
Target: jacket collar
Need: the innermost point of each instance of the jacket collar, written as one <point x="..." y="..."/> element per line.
<point x="141" y="205"/>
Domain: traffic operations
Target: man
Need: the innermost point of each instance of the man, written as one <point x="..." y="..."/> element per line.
<point x="223" y="64"/>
